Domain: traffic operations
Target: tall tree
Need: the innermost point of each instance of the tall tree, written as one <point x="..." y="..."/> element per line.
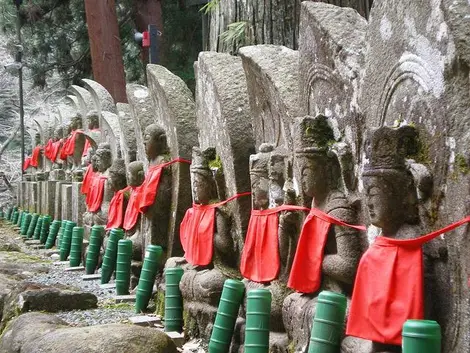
<point x="105" y="47"/>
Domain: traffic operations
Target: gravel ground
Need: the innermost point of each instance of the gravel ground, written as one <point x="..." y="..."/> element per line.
<point x="107" y="312"/>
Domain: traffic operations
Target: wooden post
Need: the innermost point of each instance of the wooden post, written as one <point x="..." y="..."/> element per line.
<point x="105" y="47"/>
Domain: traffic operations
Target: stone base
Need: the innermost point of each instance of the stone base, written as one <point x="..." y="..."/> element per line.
<point x="178" y="338"/>
<point x="32" y="242"/>
<point x="145" y="320"/>
<point x="108" y="286"/>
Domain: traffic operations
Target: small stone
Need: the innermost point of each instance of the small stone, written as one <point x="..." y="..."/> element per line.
<point x="177" y="337"/>
<point x="145" y="320"/>
<point x="55" y="257"/>
<point x="108" y="286"/>
<point x="125" y="298"/>
<point x="75" y="269"/>
<point x="92" y="277"/>
<point x="32" y="242"/>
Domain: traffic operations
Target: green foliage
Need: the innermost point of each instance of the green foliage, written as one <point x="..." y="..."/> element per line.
<point x="210" y="6"/>
<point x="235" y="35"/>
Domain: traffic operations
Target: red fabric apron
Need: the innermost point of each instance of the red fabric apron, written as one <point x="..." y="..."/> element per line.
<point x="69" y="145"/>
<point x="132" y="210"/>
<point x="88" y="144"/>
<point x="55" y="150"/>
<point x="48" y="149"/>
<point x="389" y="287"/>
<point x="27" y="163"/>
<point x="197" y="231"/>
<point x="116" y="209"/>
<point x="87" y="179"/>
<point x="65" y="148"/>
<point x="149" y="187"/>
<point x="260" y="260"/>
<point x="35" y="157"/>
<point x="94" y="197"/>
<point x="305" y="276"/>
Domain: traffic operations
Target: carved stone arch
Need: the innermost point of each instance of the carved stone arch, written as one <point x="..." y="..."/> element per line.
<point x="85" y="100"/>
<point x="175" y="111"/>
<point x="272" y="75"/>
<point x="111" y="133"/>
<point x="102" y="99"/>
<point x="128" y="140"/>
<point x="140" y="103"/>
<point x="224" y="122"/>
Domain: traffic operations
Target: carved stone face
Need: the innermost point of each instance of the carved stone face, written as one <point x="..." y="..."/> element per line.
<point x="314" y="175"/>
<point x="135" y="174"/>
<point x="93" y="121"/>
<point x="117" y="180"/>
<point x="76" y="122"/>
<point x="260" y="191"/>
<point x="202" y="188"/>
<point x="154" y="141"/>
<point x="386" y="204"/>
<point x="101" y="161"/>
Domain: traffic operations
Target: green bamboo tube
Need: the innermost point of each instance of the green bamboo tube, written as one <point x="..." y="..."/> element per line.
<point x="14" y="218"/>
<point x="150" y="266"/>
<point x="23" y="218"/>
<point x="61" y="232"/>
<point x="173" y="300"/>
<point x="66" y="240"/>
<point x="46" y="224"/>
<point x="76" y="247"/>
<point x="258" y="311"/>
<point x="94" y="248"/>
<point x="123" y="266"/>
<point x="227" y="313"/>
<point x="2" y="214"/>
<point x="37" y="229"/>
<point x="32" y="225"/>
<point x="20" y="218"/>
<point x="328" y="324"/>
<point x="26" y="221"/>
<point x="9" y="213"/>
<point x="110" y="255"/>
<point x="53" y="231"/>
<point x="421" y="336"/>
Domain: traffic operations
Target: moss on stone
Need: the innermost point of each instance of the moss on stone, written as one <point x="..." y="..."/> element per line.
<point x="461" y="164"/>
<point x="216" y="163"/>
<point x="160" y="303"/>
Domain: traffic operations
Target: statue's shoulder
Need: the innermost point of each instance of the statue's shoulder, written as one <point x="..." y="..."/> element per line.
<point x="340" y="207"/>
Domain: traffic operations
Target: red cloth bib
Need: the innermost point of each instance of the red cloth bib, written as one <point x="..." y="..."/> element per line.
<point x="55" y="150"/>
<point x="132" y="211"/>
<point x="116" y="209"/>
<point x="94" y="197"/>
<point x="88" y="144"/>
<point x="87" y="179"/>
<point x="260" y="260"/>
<point x="149" y="187"/>
<point x="35" y="157"/>
<point x="65" y="147"/>
<point x="69" y="145"/>
<point x="389" y="287"/>
<point x="197" y="231"/>
<point x="48" y="149"/>
<point x="27" y="163"/>
<point x="305" y="275"/>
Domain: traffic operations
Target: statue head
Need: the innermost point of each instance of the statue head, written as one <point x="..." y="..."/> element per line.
<point x="155" y="141"/>
<point x="102" y="159"/>
<point x="93" y="120"/>
<point x="117" y="175"/>
<point x="391" y="195"/>
<point x="59" y="132"/>
<point x="135" y="173"/>
<point x="316" y="165"/>
<point x="259" y="176"/>
<point x="204" y="188"/>
<point x="76" y="122"/>
<point x="37" y="139"/>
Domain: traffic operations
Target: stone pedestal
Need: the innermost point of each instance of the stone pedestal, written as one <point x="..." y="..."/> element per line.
<point x="48" y="197"/>
<point x="33" y="197"/>
<point x="66" y="198"/>
<point x="78" y="203"/>
<point x="58" y="200"/>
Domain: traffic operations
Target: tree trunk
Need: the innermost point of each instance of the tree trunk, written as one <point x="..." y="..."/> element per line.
<point x="105" y="47"/>
<point x="149" y="12"/>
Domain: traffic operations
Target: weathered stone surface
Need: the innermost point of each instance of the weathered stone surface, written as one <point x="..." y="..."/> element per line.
<point x="142" y="112"/>
<point x="84" y="99"/>
<point x="175" y="111"/>
<point x="272" y="75"/>
<point x="54" y="300"/>
<point x="48" y="197"/>
<point x="111" y="133"/>
<point x="224" y="122"/>
<point x="128" y="139"/>
<point x="332" y="49"/>
<point x="34" y="332"/>
<point x="58" y="201"/>
<point x="78" y="203"/>
<point x="66" y="198"/>
<point x="33" y="197"/>
<point x="102" y="99"/>
<point x="414" y="73"/>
